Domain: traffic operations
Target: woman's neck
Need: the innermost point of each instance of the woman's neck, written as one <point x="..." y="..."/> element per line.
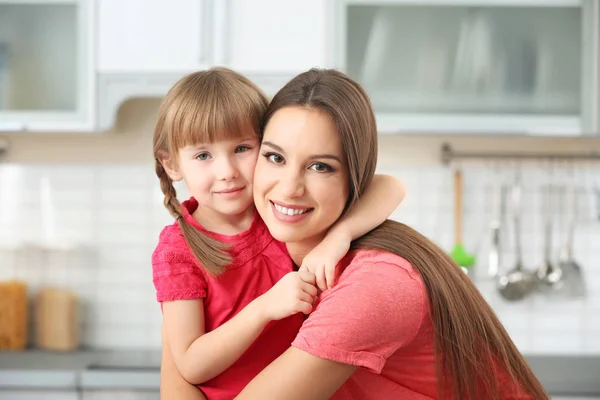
<point x="299" y="250"/>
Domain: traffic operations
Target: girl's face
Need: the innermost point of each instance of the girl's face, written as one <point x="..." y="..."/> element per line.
<point x="219" y="176"/>
<point x="301" y="180"/>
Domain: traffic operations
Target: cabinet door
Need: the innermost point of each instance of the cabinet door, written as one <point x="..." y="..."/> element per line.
<point x="153" y="35"/>
<point x="46" y="65"/>
<point x="273" y="36"/>
<point x="521" y="67"/>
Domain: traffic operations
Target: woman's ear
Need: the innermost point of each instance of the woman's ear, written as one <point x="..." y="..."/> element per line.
<point x="169" y="165"/>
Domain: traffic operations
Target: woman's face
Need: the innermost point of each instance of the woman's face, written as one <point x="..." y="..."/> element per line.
<point x="301" y="178"/>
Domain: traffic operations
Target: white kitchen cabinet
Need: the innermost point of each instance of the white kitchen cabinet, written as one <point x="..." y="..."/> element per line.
<point x="145" y="46"/>
<point x="278" y="37"/>
<point x="47" y="75"/>
<point x="155" y="35"/>
<point x="475" y="66"/>
<point x="258" y="36"/>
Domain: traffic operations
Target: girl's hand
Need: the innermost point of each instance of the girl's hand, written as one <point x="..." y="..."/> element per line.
<point x="295" y="292"/>
<point x="323" y="259"/>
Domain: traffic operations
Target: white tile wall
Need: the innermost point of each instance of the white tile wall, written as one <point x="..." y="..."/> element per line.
<point x="115" y="213"/>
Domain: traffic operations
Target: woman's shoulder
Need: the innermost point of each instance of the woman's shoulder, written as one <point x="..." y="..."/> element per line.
<point x="367" y="259"/>
<point x="377" y="279"/>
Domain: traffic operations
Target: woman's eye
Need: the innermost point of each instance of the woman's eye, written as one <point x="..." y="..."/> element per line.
<point x="274" y="158"/>
<point x="321" y="167"/>
<point x="203" y="156"/>
<point x="241" y="149"/>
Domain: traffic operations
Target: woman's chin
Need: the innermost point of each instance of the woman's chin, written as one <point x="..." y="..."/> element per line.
<point x="284" y="234"/>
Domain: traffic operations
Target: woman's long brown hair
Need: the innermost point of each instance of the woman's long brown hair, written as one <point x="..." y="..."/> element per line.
<point x="475" y="357"/>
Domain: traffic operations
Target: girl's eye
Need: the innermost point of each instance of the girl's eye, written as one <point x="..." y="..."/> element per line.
<point x="321" y="167"/>
<point x="241" y="149"/>
<point x="274" y="158"/>
<point x="203" y="156"/>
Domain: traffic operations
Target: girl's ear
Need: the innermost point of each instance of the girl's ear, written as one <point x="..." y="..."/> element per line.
<point x="169" y="165"/>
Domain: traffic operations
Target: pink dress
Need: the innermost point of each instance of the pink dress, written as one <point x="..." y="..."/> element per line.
<point x="259" y="261"/>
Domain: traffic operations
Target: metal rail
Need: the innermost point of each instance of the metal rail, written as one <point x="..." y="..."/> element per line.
<point x="448" y="155"/>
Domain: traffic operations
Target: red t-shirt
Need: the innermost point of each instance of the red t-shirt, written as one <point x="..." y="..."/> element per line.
<point x="259" y="261"/>
<point x="377" y="318"/>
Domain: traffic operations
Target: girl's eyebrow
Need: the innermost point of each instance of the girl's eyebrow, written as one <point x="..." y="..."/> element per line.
<point x="312" y="157"/>
<point x="249" y="140"/>
<point x="195" y="148"/>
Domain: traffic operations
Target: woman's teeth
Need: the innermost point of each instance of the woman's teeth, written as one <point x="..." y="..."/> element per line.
<point x="289" y="211"/>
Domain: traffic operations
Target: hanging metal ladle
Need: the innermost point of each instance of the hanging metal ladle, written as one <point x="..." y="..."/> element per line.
<point x="517" y="283"/>
<point x="548" y="275"/>
<point x="571" y="269"/>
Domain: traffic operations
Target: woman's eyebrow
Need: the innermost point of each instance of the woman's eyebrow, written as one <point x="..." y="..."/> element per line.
<point x="326" y="156"/>
<point x="312" y="157"/>
<point x="273" y="146"/>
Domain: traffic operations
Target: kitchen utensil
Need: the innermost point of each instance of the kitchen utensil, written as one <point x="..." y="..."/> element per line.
<point x="572" y="273"/>
<point x="548" y="275"/>
<point x="459" y="254"/>
<point x="517" y="283"/>
<point x="495" y="225"/>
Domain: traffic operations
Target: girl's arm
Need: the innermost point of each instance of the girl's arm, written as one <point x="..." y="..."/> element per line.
<point x="383" y="195"/>
<point x="172" y="384"/>
<point x="200" y="356"/>
<point x="379" y="201"/>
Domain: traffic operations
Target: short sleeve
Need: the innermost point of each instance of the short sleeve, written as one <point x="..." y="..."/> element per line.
<point x="374" y="310"/>
<point x="175" y="273"/>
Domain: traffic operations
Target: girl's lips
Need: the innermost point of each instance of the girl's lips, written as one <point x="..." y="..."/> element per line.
<point x="282" y="212"/>
<point x="232" y="190"/>
<point x="231" y="193"/>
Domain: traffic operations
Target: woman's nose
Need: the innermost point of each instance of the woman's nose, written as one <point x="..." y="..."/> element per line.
<point x="293" y="185"/>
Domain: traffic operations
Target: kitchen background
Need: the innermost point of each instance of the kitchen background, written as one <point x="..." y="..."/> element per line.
<point x="81" y="209"/>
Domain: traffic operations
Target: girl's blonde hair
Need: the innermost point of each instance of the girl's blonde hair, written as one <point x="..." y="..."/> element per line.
<point x="204" y="107"/>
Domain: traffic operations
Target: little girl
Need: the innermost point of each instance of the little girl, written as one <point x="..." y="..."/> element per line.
<point x="230" y="297"/>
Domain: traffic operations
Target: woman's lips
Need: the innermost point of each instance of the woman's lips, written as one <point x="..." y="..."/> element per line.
<point x="290" y="213"/>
